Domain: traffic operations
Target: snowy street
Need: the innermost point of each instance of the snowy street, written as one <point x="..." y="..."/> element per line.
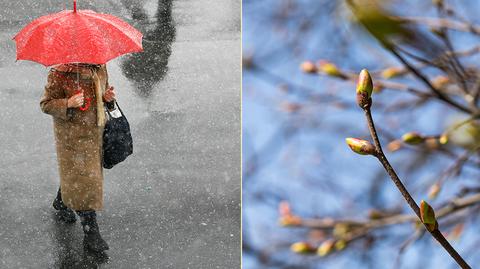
<point x="175" y="203"/>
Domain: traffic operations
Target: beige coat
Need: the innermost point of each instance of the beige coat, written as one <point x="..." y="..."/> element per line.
<point x="78" y="134"/>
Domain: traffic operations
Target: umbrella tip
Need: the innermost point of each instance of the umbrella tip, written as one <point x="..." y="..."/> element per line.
<point x="75" y="6"/>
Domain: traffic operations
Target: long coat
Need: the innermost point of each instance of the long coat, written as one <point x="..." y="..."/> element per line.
<point x="78" y="134"/>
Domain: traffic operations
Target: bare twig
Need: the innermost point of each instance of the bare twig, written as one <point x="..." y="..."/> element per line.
<point x="444" y="23"/>
<point x="451" y="207"/>
<point x="401" y="187"/>
<point x="424" y="79"/>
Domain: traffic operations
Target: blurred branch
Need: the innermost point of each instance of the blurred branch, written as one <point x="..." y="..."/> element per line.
<point x="418" y="234"/>
<point x="435" y="91"/>
<point x="450" y="208"/>
<point x="301" y="90"/>
<point x="444" y="23"/>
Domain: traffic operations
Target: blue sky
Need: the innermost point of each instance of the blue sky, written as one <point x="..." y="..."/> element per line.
<point x="303" y="157"/>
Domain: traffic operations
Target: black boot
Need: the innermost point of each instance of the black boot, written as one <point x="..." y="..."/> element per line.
<point x="92" y="240"/>
<point x="63" y="212"/>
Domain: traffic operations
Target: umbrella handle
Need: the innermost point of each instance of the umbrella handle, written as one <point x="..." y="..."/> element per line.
<point x="75" y="6"/>
<point x="86" y="105"/>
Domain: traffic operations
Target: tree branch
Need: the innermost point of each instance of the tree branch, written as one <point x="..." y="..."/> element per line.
<point x="438" y="93"/>
<point x="411" y="202"/>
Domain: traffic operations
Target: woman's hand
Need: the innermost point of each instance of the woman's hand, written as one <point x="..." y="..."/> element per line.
<point x="109" y="95"/>
<point x="76" y="101"/>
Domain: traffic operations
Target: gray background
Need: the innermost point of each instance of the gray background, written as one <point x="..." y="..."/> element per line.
<point x="176" y="202"/>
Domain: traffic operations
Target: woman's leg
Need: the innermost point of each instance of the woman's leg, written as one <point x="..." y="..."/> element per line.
<point x="92" y="240"/>
<point x="64" y="213"/>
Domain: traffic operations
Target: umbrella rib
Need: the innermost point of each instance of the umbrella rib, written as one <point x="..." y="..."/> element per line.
<point x="45" y="24"/>
<point x="89" y="24"/>
<point x="116" y="26"/>
<point x="36" y="25"/>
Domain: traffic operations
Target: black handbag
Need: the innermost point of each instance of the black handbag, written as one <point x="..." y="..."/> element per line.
<point x="117" y="140"/>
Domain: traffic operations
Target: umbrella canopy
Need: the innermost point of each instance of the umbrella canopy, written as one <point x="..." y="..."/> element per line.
<point x="72" y="36"/>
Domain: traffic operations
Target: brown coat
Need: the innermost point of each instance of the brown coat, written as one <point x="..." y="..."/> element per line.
<point x="78" y="134"/>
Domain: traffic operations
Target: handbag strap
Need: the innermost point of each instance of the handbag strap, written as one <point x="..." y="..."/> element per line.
<point x="121" y="112"/>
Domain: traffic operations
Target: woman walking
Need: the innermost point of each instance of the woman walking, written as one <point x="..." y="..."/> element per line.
<point x="75" y="96"/>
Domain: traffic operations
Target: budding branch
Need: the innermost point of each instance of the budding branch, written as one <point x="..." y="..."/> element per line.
<point x="401" y="187"/>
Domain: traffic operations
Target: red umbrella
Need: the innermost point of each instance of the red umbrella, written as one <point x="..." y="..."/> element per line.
<point x="82" y="36"/>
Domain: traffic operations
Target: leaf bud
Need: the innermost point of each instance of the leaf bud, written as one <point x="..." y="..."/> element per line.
<point x="360" y="146"/>
<point x="392" y="72"/>
<point x="340" y="244"/>
<point x="443" y="139"/>
<point x="428" y="216"/>
<point x="413" y="138"/>
<point x="330" y="69"/>
<point x="326" y="247"/>
<point x="364" y="89"/>
<point x="302" y="247"/>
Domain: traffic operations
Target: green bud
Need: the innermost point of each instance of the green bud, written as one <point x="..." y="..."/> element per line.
<point x="340" y="244"/>
<point x="302" y="247"/>
<point x="443" y="139"/>
<point x="364" y="88"/>
<point x="413" y="138"/>
<point x="360" y="146"/>
<point x="428" y="216"/>
<point x="392" y="72"/>
<point x="326" y="247"/>
<point x="329" y="69"/>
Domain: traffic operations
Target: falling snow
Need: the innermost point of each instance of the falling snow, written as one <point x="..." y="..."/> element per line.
<point x="182" y="99"/>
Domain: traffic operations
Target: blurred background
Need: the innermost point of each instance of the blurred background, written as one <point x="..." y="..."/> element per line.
<point x="304" y="191"/>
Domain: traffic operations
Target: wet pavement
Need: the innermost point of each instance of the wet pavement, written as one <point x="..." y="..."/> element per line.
<point x="176" y="202"/>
